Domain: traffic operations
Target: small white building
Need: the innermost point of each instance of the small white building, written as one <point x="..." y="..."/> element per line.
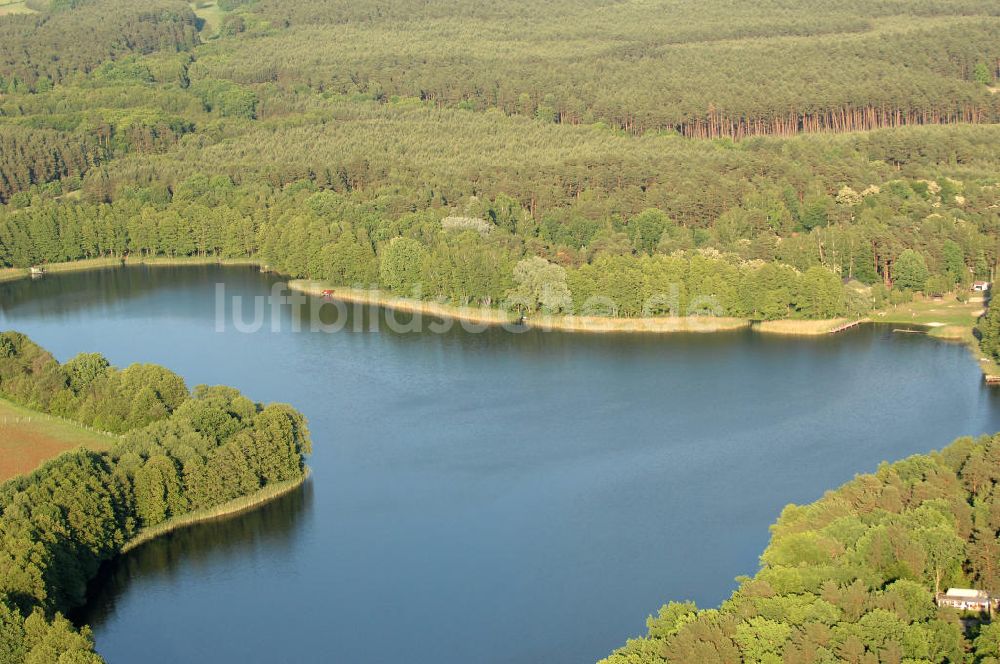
<point x="966" y="599"/>
<point x="980" y="286"/>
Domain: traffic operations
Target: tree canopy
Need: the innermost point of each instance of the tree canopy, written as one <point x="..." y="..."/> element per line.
<point x="180" y="452"/>
<point x="852" y="577"/>
<point x="475" y="137"/>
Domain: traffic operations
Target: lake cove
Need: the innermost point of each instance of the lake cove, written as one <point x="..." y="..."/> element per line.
<point x="489" y="497"/>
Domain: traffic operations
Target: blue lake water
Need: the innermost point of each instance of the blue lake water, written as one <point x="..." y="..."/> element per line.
<point x="490" y="497"/>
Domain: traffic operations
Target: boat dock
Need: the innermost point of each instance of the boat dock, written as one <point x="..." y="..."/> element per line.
<point x="847" y="326"/>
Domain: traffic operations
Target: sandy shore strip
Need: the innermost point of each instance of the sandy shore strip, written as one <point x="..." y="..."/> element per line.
<point x="476" y="315"/>
<point x="498" y="317"/>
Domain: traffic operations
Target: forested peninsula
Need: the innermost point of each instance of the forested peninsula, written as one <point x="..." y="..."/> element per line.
<point x="853" y="576"/>
<point x="183" y="456"/>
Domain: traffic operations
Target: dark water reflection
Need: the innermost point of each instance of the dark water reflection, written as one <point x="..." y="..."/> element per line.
<point x="269" y="532"/>
<point x="487" y="497"/>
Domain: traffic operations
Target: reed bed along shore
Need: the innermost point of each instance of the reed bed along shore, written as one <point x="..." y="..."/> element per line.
<point x="654" y="324"/>
<point x="15" y="273"/>
<point x="232" y="508"/>
<point x="488" y="316"/>
<point x="371" y="297"/>
<point x="189" y="260"/>
<point x="797" y="327"/>
<point x="564" y="323"/>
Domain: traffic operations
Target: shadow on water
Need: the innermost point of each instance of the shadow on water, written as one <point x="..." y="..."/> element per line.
<point x="269" y="531"/>
<point x="60" y="293"/>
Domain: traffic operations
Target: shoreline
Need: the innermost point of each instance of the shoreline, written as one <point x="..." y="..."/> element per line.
<point x="16" y="273"/>
<point x="167" y="261"/>
<point x="499" y="318"/>
<point x="476" y="315"/>
<point x="804" y="327"/>
<point x="945" y="321"/>
<point x="490" y="316"/>
<point x="954" y="334"/>
<point x="965" y="336"/>
<point x="232" y="508"/>
<point x="591" y="324"/>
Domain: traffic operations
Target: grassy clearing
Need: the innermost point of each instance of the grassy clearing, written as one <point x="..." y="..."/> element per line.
<point x="28" y="438"/>
<point x="15" y="8"/>
<point x="925" y="311"/>
<point x="211" y="14"/>
<point x="988" y="366"/>
<point x="232" y="508"/>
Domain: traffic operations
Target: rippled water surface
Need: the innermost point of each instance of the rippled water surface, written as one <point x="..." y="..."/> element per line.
<point x="489" y="497"/>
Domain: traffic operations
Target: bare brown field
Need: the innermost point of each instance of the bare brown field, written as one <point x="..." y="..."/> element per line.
<point x="29" y="438"/>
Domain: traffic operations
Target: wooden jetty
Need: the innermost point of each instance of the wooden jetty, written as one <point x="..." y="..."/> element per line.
<point x="846" y="326"/>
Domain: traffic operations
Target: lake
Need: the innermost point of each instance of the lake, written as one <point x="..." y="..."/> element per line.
<point x="485" y="497"/>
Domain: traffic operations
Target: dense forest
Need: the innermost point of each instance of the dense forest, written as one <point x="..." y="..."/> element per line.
<point x="481" y="147"/>
<point x="628" y="158"/>
<point x="884" y="232"/>
<point x="180" y="452"/>
<point x="39" y="50"/>
<point x="852" y="577"/>
<point x="702" y="69"/>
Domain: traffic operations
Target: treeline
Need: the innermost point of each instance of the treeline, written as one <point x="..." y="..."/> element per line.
<point x="465" y="260"/>
<point x="861" y="203"/>
<point x="712" y="70"/>
<point x="895" y="63"/>
<point x="773" y="256"/>
<point x="700" y="23"/>
<point x="988" y="331"/>
<point x="706" y="284"/>
<point x="40" y="50"/>
<point x="180" y="452"/>
<point x="851" y="577"/>
<point x="413" y="157"/>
